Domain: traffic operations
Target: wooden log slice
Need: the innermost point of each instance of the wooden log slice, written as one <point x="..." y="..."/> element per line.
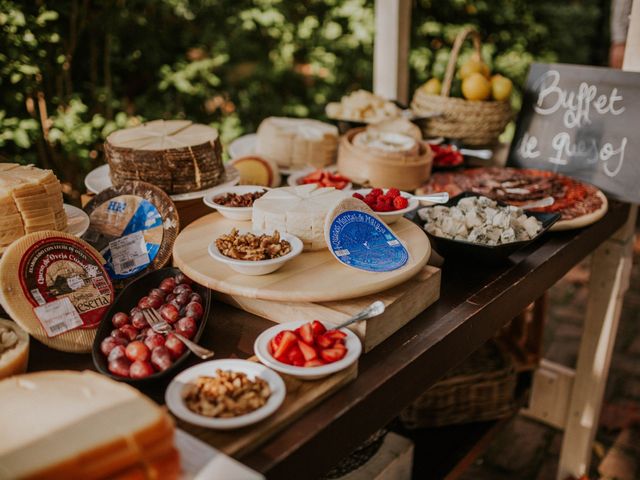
<point x="176" y="155"/>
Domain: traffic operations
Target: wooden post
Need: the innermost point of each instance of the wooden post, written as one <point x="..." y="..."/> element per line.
<point x="391" y="49"/>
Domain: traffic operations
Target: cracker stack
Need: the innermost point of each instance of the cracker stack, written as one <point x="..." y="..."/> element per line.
<point x="30" y="201"/>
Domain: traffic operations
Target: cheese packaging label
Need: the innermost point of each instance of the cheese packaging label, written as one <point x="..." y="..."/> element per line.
<point x="58" y="316"/>
<point x="360" y="240"/>
<point x="127" y="230"/>
<point x="62" y="271"/>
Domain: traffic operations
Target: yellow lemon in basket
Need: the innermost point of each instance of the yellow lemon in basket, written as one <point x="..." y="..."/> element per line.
<point x="476" y="87"/>
<point x="471" y="66"/>
<point x="433" y="86"/>
<point x="501" y="87"/>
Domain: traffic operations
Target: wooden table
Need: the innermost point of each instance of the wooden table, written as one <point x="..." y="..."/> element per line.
<point x="475" y="302"/>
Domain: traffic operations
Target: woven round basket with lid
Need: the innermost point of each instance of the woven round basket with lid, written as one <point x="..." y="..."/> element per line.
<point x="475" y="123"/>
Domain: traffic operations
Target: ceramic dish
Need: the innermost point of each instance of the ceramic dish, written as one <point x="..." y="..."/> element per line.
<point x="243" y="146"/>
<point x="263" y="352"/>
<point x="232" y="213"/>
<point x="77" y="220"/>
<point x="394" y="216"/>
<point x="126" y="300"/>
<point x="461" y="249"/>
<point x="258" y="267"/>
<point x="175" y="402"/>
<point x="296" y="177"/>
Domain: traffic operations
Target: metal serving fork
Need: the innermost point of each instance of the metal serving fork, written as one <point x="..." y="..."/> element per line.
<point x="160" y="325"/>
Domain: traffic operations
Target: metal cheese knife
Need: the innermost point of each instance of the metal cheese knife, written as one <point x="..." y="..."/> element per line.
<point x="439" y="197"/>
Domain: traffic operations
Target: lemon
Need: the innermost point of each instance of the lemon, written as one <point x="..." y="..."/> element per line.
<point x="501" y="87"/>
<point x="471" y="66"/>
<point x="432" y="86"/>
<point x="476" y="87"/>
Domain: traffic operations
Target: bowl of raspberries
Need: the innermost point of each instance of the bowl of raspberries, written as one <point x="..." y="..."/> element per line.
<point x="389" y="204"/>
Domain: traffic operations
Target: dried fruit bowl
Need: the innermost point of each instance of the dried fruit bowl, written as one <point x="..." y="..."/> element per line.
<point x="232" y="213"/>
<point x="126" y="300"/>
<point x="263" y="352"/>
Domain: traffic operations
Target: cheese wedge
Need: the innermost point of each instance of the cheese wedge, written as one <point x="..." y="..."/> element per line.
<point x="297" y="142"/>
<point x="256" y="170"/>
<point x="63" y="424"/>
<point x="300" y="211"/>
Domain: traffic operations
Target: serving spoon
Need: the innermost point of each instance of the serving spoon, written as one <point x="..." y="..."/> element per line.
<point x="373" y="310"/>
<point x="438" y="197"/>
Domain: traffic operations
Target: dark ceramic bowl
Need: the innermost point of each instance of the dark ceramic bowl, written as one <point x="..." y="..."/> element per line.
<point x="453" y="249"/>
<point x="126" y="300"/>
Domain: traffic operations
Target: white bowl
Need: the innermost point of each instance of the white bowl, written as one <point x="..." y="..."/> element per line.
<point x="294" y="178"/>
<point x="173" y="395"/>
<point x="232" y="213"/>
<point x="391" y="217"/>
<point x="263" y="352"/>
<point x="258" y="267"/>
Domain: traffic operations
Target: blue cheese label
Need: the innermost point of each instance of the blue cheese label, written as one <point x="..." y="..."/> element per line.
<point x="360" y="240"/>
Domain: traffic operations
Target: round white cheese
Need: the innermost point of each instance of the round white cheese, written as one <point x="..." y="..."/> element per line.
<point x="300" y="211"/>
<point x="297" y="142"/>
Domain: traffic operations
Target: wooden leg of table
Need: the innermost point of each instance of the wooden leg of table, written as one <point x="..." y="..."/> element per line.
<point x="610" y="270"/>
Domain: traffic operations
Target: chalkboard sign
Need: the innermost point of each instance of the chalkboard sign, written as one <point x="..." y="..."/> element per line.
<point x="583" y="122"/>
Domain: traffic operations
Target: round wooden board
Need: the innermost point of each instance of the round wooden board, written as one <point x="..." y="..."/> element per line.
<point x="310" y="277"/>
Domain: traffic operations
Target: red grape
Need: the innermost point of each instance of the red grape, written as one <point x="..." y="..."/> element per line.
<point x="154" y="340"/>
<point x="169" y="298"/>
<point x="195" y="297"/>
<point x="120" y="367"/>
<point x="182" y="298"/>
<point x="156" y="292"/>
<point x="117" y="333"/>
<point x="155" y="301"/>
<point x="170" y="312"/>
<point x="194" y="310"/>
<point x="186" y="326"/>
<point x="174" y="345"/>
<point x="182" y="278"/>
<point x="140" y="369"/>
<point x="183" y="287"/>
<point x="144" y="302"/>
<point x="129" y="331"/>
<point x="120" y="319"/>
<point x="109" y="343"/>
<point x="168" y="284"/>
<point x="138" y="320"/>
<point x="117" y="352"/>
<point x="161" y="358"/>
<point x="138" y="351"/>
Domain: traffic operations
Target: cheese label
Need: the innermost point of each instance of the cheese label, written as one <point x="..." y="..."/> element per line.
<point x="58" y="316"/>
<point x="360" y="240"/>
<point x="57" y="268"/>
<point x="127" y="230"/>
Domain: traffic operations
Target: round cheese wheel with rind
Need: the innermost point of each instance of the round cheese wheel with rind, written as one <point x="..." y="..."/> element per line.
<point x="44" y="267"/>
<point x="14" y="349"/>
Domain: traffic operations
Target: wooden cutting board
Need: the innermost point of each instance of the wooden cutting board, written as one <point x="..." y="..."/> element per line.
<point x="310" y="277"/>
<point x="301" y="397"/>
<point x="403" y="303"/>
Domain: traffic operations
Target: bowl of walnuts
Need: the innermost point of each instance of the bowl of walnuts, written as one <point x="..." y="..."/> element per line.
<point x="255" y="253"/>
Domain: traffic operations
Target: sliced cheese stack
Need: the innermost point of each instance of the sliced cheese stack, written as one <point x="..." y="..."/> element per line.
<point x="30" y="201"/>
<point x="176" y="155"/>
<point x="384" y="159"/>
<point x="14" y="349"/>
<point x="63" y="424"/>
<point x="300" y="211"/>
<point x="297" y="142"/>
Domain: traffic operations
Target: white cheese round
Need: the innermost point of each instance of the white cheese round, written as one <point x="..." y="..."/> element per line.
<point x="297" y="142"/>
<point x="300" y="211"/>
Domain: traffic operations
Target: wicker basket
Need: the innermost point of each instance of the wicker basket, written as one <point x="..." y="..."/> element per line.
<point x="475" y="123"/>
<point x="482" y="388"/>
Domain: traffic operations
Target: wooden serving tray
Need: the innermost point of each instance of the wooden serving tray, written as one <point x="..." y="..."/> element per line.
<point x="302" y="396"/>
<point x="403" y="303"/>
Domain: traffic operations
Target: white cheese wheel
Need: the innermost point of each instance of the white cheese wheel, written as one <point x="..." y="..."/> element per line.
<point x="297" y="142"/>
<point x="14" y="349"/>
<point x="300" y="211"/>
<point x="256" y="170"/>
<point x="63" y="424"/>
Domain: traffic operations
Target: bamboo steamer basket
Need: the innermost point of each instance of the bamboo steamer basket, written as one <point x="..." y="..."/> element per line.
<point x="475" y="123"/>
<point x="379" y="169"/>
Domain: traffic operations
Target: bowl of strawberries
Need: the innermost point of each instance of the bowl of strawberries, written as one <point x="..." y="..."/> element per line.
<point x="389" y="204"/>
<point x="307" y="350"/>
<point x="328" y="177"/>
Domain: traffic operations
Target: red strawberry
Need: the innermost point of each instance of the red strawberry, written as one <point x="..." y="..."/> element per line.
<point x="275" y="341"/>
<point x="308" y="352"/>
<point x="306" y="333"/>
<point x="318" y="328"/>
<point x="288" y="341"/>
<point x="323" y="341"/>
<point x="335" y="335"/>
<point x="400" y="202"/>
<point x="393" y="192"/>
<point x="333" y="354"/>
<point x="295" y="357"/>
<point x="358" y="196"/>
<point x="314" y="363"/>
<point x="376" y="192"/>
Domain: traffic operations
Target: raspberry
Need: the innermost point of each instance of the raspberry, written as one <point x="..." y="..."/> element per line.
<point x="400" y="202"/>
<point x="358" y="196"/>
<point x="369" y="199"/>
<point x="376" y="192"/>
<point x="393" y="192"/>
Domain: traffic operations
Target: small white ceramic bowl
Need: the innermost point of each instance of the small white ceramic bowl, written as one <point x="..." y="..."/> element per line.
<point x="391" y="217"/>
<point x="296" y="177"/>
<point x="175" y="402"/>
<point x="232" y="213"/>
<point x="258" y="267"/>
<point x="263" y="352"/>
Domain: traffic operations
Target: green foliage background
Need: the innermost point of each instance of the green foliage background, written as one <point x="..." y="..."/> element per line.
<point x="72" y="71"/>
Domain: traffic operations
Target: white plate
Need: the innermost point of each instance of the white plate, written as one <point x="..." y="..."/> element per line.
<point x="98" y="179"/>
<point x="77" y="220"/>
<point x="261" y="349"/>
<point x="243" y="146"/>
<point x="232" y="213"/>
<point x="259" y="267"/>
<point x="298" y="175"/>
<point x="391" y="217"/>
<point x="173" y="395"/>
